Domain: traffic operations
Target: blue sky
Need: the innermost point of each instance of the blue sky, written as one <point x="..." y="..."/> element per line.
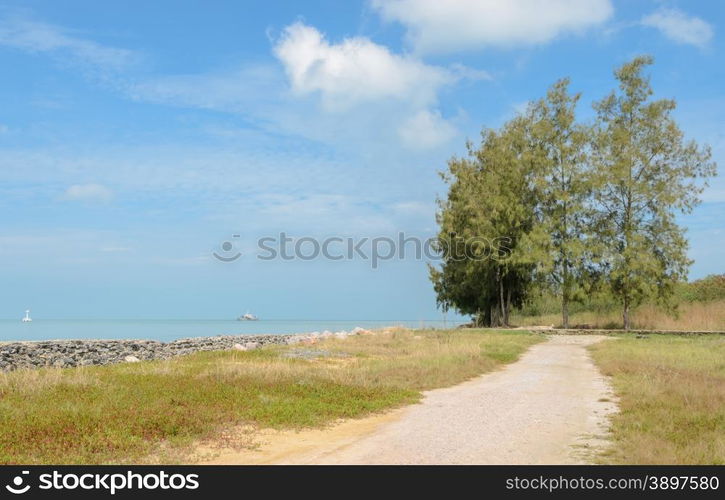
<point x="136" y="137"/>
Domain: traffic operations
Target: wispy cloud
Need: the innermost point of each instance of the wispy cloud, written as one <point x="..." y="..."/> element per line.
<point x="376" y="93"/>
<point x="242" y="90"/>
<point x="63" y="45"/>
<point x="88" y="192"/>
<point x="680" y="27"/>
<point x="462" y="72"/>
<point x="318" y="77"/>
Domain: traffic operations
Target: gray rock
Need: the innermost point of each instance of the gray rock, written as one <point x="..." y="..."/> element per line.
<point x="68" y="353"/>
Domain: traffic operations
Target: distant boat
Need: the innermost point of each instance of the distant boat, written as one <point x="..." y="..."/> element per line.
<point x="27" y="318"/>
<point x="248" y="317"/>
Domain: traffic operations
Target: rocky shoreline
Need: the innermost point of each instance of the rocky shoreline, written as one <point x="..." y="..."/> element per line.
<point x="70" y="353"/>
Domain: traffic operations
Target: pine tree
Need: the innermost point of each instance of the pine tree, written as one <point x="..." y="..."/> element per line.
<point x="644" y="174"/>
<point x="487" y="212"/>
<point x="559" y="243"/>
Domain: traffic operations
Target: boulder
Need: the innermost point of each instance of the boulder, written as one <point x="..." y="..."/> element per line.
<point x="360" y="331"/>
<point x="131" y="359"/>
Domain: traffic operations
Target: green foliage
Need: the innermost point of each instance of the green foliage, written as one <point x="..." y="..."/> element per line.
<point x="644" y="173"/>
<point x="581" y="210"/>
<point x="542" y="300"/>
<point x="558" y="245"/>
<point x="706" y="289"/>
<point x="489" y="210"/>
<point x="545" y="302"/>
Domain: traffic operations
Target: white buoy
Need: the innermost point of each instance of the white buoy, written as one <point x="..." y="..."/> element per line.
<point x="27" y="318"/>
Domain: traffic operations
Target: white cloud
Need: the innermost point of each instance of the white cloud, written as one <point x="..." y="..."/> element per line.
<point x="426" y="130"/>
<point x="88" y="192"/>
<point x="436" y="26"/>
<point x="355" y="70"/>
<point x="399" y="92"/>
<point x="36" y="37"/>
<point x="679" y="27"/>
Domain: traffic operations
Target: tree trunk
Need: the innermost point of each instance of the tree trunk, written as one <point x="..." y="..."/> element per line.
<point x="487" y="318"/>
<point x="508" y="307"/>
<point x="501" y="301"/>
<point x="565" y="296"/>
<point x="625" y="313"/>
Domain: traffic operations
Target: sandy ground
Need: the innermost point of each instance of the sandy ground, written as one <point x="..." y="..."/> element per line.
<point x="550" y="407"/>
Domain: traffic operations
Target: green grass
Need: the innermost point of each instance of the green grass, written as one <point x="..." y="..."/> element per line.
<point x="672" y="398"/>
<point x="133" y="412"/>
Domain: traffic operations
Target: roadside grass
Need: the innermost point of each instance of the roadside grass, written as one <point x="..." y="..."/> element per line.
<point x="691" y="316"/>
<point x="671" y="393"/>
<point x="127" y="413"/>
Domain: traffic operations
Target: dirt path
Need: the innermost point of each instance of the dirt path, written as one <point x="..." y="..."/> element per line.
<point x="550" y="407"/>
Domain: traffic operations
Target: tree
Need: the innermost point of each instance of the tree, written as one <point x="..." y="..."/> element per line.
<point x="644" y="174"/>
<point x="558" y="244"/>
<point x="487" y="211"/>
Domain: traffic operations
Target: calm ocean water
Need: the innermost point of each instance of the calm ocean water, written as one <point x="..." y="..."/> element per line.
<point x="166" y="330"/>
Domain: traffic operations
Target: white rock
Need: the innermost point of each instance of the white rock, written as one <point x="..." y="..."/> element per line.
<point x="239" y="347"/>
<point x="251" y="345"/>
<point x="131" y="359"/>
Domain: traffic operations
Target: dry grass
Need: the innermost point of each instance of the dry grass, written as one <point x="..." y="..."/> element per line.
<point x="130" y="412"/>
<point x="692" y="316"/>
<point x="672" y="398"/>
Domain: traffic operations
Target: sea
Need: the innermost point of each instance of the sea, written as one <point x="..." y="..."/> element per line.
<point x="168" y="330"/>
